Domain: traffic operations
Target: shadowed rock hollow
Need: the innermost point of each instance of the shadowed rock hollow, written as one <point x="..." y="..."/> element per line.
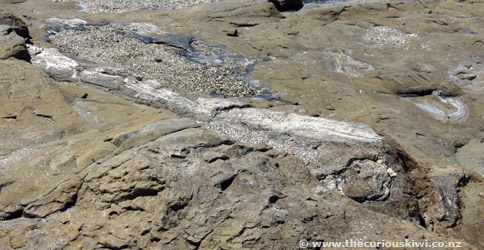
<point x="234" y="125"/>
<point x="285" y="5"/>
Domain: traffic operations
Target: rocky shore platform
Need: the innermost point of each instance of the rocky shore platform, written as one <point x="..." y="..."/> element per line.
<point x="236" y="124"/>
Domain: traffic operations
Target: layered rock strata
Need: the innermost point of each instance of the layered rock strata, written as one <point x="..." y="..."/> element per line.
<point x="82" y="168"/>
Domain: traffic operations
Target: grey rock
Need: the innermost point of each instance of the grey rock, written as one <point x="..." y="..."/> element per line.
<point x="195" y="137"/>
<point x="151" y="132"/>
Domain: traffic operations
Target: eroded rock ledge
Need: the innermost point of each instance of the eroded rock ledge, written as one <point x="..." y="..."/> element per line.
<point x="190" y="172"/>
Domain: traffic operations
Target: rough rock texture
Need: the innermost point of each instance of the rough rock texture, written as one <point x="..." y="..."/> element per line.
<point x="27" y="97"/>
<point x="347" y="158"/>
<point x="48" y="132"/>
<point x="145" y="182"/>
<point x="387" y="59"/>
<point x="13" y="36"/>
<point x="12" y="45"/>
<point x="196" y="189"/>
<point x="470" y="156"/>
<point x="334" y="151"/>
<point x="81" y="168"/>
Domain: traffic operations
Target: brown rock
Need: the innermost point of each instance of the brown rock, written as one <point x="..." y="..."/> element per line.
<point x="471" y="156"/>
<point x="132" y="177"/>
<point x="12" y="45"/>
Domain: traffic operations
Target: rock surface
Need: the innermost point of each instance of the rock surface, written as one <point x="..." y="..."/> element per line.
<point x="97" y="153"/>
<point x="12" y="45"/>
<point x="13" y="35"/>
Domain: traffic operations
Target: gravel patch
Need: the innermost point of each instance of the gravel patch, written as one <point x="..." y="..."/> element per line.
<point x="178" y="61"/>
<point x="117" y="6"/>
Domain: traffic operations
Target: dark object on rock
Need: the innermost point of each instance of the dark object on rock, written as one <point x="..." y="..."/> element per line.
<point x="285" y="5"/>
<point x="12" y="45"/>
<point x="180" y="41"/>
<point x="233" y="32"/>
<point x="13" y="36"/>
<point x="19" y="24"/>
